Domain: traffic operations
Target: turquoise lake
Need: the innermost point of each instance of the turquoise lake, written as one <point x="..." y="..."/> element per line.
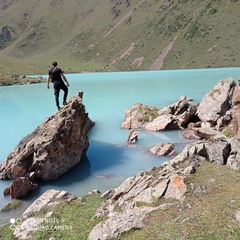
<point x="106" y="97"/>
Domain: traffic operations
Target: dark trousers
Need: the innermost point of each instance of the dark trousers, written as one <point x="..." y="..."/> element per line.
<point x="57" y="87"/>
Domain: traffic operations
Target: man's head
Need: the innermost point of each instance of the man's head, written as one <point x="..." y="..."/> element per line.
<point x="54" y="63"/>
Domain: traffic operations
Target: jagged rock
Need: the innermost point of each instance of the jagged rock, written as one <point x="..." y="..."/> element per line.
<point x="21" y="187"/>
<point x="145" y="187"/>
<point x="174" y="116"/>
<point x="236" y="111"/>
<point x="205" y="133"/>
<point x="130" y="218"/>
<point x="217" y="151"/>
<point x="159" y="190"/>
<point x="54" y="147"/>
<point x="176" y="188"/>
<point x="189" y="132"/>
<point x="133" y="136"/>
<point x="233" y="160"/>
<point x="164" y="121"/>
<point x="216" y="102"/>
<point x="162" y="149"/>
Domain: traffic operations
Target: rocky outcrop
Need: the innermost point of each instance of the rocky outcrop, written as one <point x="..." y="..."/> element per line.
<point x="30" y="223"/>
<point x="133" y="198"/>
<point x="174" y="116"/>
<point x="52" y="148"/>
<point x="218" y="110"/>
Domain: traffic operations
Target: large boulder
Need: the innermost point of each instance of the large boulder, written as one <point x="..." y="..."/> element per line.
<point x="236" y="111"/>
<point x="52" y="148"/>
<point x="21" y="187"/>
<point x="216" y="102"/>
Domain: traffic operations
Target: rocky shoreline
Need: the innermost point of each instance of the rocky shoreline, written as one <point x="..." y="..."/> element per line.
<point x="14" y="79"/>
<point x="213" y="123"/>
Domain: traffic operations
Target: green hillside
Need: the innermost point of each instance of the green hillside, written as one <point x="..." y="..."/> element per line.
<point x="118" y="35"/>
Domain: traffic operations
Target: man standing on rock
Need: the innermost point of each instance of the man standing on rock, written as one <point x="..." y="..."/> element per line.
<point x="56" y="76"/>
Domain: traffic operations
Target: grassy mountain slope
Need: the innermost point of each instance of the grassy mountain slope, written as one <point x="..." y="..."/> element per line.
<point x="116" y="35"/>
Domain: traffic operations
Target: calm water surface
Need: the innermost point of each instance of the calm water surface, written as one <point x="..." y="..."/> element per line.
<point x="106" y="96"/>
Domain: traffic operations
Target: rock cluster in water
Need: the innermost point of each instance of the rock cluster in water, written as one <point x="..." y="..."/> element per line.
<point x="216" y="114"/>
<point x="50" y="150"/>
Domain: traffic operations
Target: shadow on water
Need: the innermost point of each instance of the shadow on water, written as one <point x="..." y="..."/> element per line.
<point x="99" y="156"/>
<point x="104" y="155"/>
<point x="76" y="174"/>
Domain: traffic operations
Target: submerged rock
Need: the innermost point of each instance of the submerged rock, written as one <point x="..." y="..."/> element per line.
<point x="52" y="148"/>
<point x="162" y="149"/>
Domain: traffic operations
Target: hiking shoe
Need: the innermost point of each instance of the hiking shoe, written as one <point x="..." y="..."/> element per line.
<point x="64" y="103"/>
<point x="59" y="108"/>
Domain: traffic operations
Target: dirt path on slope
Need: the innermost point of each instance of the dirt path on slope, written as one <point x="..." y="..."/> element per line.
<point x="158" y="63"/>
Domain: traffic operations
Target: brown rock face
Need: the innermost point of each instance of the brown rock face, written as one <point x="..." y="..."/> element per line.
<point x="52" y="148"/>
<point x="21" y="186"/>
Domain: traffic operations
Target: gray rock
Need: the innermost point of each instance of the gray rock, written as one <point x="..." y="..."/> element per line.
<point x="233" y="160"/>
<point x="216" y="102"/>
<point x="174" y="116"/>
<point x="133" y="136"/>
<point x="176" y="188"/>
<point x="162" y="149"/>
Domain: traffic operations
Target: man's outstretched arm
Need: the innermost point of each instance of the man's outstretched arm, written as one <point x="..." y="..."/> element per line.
<point x="65" y="79"/>
<point x="48" y="82"/>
